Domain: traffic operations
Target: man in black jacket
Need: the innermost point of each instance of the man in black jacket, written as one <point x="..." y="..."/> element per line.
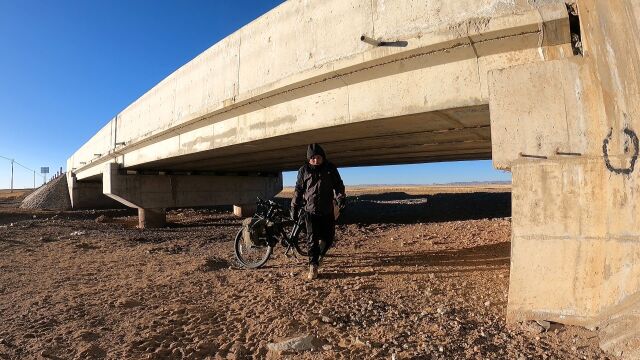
<point x="318" y="183"/>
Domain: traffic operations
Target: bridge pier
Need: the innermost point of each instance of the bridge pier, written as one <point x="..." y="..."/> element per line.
<point x="88" y="195"/>
<point x="567" y="130"/>
<point x="152" y="218"/>
<point x="244" y="210"/>
<point x="152" y="194"/>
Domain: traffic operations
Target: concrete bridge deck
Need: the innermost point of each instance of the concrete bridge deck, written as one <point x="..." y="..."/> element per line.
<point x="545" y="89"/>
<point x="252" y="101"/>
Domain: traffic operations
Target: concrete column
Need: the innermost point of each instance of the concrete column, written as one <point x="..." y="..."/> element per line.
<point x="244" y="210"/>
<point x="568" y="131"/>
<point x="152" y="218"/>
<point x="152" y="194"/>
<point x="88" y="194"/>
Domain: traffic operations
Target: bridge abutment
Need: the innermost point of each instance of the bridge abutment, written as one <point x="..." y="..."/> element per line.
<point x="244" y="210"/>
<point x="152" y="194"/>
<point x="567" y="130"/>
<point x="88" y="194"/>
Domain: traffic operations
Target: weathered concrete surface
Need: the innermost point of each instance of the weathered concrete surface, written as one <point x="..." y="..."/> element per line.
<point x="88" y="194"/>
<point x="298" y="74"/>
<point x="458" y="80"/>
<point x="244" y="210"/>
<point x="164" y="191"/>
<point x="567" y="131"/>
<point x="151" y="218"/>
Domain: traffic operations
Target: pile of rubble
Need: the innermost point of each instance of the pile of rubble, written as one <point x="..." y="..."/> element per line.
<point x="53" y="195"/>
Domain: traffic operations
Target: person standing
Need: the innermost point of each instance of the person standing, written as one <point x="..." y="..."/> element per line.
<point x="317" y="185"/>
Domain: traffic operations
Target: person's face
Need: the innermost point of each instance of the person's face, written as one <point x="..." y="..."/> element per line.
<point x="316" y="160"/>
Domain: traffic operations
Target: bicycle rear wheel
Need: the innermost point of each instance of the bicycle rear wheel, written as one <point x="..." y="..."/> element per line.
<point x="250" y="255"/>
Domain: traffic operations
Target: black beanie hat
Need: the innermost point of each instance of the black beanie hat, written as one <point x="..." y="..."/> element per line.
<point x="315" y="149"/>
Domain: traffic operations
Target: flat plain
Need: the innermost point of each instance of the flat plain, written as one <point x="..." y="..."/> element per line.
<point x="418" y="272"/>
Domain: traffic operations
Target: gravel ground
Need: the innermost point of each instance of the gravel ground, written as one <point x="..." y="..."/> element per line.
<point x="87" y="284"/>
<point x="53" y="195"/>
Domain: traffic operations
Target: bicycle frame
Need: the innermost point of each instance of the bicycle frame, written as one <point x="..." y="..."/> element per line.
<point x="288" y="240"/>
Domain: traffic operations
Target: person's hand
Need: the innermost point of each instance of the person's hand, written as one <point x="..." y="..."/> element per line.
<point x="341" y="201"/>
<point x="294" y="213"/>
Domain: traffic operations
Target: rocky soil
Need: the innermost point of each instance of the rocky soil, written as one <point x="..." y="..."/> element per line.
<point x="53" y="195"/>
<point x="430" y="282"/>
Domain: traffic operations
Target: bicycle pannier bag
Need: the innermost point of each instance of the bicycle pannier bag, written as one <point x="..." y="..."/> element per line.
<point x="254" y="231"/>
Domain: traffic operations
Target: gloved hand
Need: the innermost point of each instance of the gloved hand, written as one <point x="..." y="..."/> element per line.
<point x="294" y="213"/>
<point x="341" y="201"/>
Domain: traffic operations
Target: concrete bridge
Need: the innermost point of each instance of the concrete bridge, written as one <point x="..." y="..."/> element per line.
<point x="547" y="90"/>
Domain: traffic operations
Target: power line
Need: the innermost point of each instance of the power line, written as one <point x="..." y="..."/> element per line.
<point x="13" y="161"/>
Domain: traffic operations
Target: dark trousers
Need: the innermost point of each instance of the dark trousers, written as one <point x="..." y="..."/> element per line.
<point x="319" y="228"/>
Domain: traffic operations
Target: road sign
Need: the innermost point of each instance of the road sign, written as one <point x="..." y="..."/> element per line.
<point x="44" y="170"/>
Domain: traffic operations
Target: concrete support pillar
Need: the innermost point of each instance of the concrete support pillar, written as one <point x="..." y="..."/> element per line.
<point x="88" y="194"/>
<point x="152" y="194"/>
<point x="244" y="210"/>
<point x="152" y="218"/>
<point x="568" y="131"/>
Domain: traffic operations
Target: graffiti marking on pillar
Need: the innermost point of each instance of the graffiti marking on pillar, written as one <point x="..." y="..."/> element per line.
<point x="634" y="155"/>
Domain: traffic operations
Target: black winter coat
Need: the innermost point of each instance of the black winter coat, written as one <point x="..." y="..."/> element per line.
<point x="316" y="185"/>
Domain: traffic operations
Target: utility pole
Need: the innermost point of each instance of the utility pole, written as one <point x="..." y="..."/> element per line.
<point x="34" y="179"/>
<point x="12" y="175"/>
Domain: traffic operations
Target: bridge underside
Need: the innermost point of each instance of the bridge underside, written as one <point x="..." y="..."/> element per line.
<point x="455" y="134"/>
<point x="547" y="91"/>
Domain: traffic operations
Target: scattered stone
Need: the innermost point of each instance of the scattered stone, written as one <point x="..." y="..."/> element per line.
<point x="85" y="246"/>
<point x="91" y="351"/>
<point x="297" y="344"/>
<point x="204" y="347"/>
<point x="358" y="343"/>
<point x="52" y="195"/>
<point x="47" y="354"/>
<point x="47" y="238"/>
<point x="128" y="303"/>
<point x="533" y="327"/>
<point x="162" y="352"/>
<point x="545" y="324"/>
<point x="344" y="343"/>
<point x="215" y="263"/>
<point x="102" y="219"/>
<point x="86" y="335"/>
<point x="78" y="233"/>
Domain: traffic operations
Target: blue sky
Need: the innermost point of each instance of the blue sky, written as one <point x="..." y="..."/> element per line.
<point x="67" y="67"/>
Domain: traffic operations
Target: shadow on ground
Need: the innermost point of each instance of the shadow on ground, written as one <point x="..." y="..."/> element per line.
<point x="479" y="258"/>
<point x="402" y="208"/>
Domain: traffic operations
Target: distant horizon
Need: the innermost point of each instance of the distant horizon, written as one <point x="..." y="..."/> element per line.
<point x="497" y="182"/>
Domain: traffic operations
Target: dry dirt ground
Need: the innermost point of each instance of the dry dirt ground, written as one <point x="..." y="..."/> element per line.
<point x="416" y="274"/>
<point x="10" y="198"/>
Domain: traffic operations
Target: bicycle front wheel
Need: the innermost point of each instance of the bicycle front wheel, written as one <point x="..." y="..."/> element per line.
<point x="250" y="255"/>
